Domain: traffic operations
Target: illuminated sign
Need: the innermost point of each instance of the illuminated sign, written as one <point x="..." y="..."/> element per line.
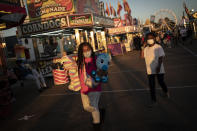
<point x="80" y="20"/>
<point x="118" y="22"/>
<point x="103" y="21"/>
<point x="40" y="9"/>
<point x="44" y="26"/>
<point x="121" y="30"/>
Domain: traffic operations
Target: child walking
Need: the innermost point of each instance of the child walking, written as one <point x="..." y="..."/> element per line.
<point x="90" y="96"/>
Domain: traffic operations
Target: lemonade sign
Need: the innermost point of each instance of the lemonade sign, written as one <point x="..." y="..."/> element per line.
<point x="80" y="20"/>
<point x="41" y="9"/>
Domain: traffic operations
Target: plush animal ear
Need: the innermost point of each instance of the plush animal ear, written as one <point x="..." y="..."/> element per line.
<point x="99" y="54"/>
<point x="103" y="54"/>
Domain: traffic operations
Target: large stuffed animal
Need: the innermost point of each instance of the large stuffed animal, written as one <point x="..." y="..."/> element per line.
<point x="101" y="74"/>
<point x="102" y="63"/>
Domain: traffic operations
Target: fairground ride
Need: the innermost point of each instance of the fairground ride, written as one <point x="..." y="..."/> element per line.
<point x="165" y="20"/>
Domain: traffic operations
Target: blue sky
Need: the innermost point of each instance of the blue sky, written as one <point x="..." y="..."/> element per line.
<point x="142" y="9"/>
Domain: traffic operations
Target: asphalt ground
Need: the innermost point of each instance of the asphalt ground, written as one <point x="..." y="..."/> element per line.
<point x="125" y="97"/>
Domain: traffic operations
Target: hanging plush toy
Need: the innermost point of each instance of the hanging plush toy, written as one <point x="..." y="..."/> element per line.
<point x="102" y="63"/>
<point x="71" y="66"/>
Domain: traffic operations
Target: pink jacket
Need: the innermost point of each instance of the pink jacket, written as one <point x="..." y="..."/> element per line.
<point x="90" y="66"/>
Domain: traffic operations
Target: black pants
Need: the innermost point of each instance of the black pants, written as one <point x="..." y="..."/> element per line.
<point x="160" y="78"/>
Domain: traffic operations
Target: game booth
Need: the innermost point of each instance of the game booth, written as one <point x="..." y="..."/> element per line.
<point x="120" y="39"/>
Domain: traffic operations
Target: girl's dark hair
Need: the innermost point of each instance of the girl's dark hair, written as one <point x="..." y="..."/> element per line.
<point x="81" y="58"/>
<point x="151" y="34"/>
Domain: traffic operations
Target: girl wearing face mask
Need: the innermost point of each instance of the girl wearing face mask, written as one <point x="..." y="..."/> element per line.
<point x="151" y="42"/>
<point x="90" y="96"/>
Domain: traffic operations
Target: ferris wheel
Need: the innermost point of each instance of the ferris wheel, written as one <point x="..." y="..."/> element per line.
<point x="165" y="19"/>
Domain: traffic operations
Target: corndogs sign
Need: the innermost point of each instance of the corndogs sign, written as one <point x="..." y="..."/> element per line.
<point x="44" y="26"/>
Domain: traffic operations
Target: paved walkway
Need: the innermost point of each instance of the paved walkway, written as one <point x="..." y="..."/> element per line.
<point x="125" y="97"/>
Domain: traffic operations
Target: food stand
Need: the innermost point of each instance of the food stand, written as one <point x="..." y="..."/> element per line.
<point x="64" y="27"/>
<point x="120" y="39"/>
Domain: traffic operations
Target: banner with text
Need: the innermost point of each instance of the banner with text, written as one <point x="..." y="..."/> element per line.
<point x="120" y="30"/>
<point x="103" y="21"/>
<point x="44" y="26"/>
<point x="80" y="20"/>
<point x="41" y="9"/>
<point x="116" y="49"/>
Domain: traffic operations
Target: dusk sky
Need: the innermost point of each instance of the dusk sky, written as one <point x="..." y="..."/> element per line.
<point x="142" y="9"/>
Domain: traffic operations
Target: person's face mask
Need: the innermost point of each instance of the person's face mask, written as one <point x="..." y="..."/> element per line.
<point x="151" y="41"/>
<point x="87" y="54"/>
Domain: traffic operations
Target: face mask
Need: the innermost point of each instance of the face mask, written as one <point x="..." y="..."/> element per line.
<point x="87" y="54"/>
<point x="151" y="41"/>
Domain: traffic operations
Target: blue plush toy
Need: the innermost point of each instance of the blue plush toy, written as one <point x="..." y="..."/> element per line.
<point x="102" y="63"/>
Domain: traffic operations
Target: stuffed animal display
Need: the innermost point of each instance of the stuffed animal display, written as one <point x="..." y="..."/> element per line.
<point x="65" y="67"/>
<point x="71" y="66"/>
<point x="60" y="75"/>
<point x="102" y="63"/>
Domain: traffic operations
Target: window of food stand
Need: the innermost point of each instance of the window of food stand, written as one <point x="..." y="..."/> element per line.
<point x="48" y="46"/>
<point x="69" y="44"/>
